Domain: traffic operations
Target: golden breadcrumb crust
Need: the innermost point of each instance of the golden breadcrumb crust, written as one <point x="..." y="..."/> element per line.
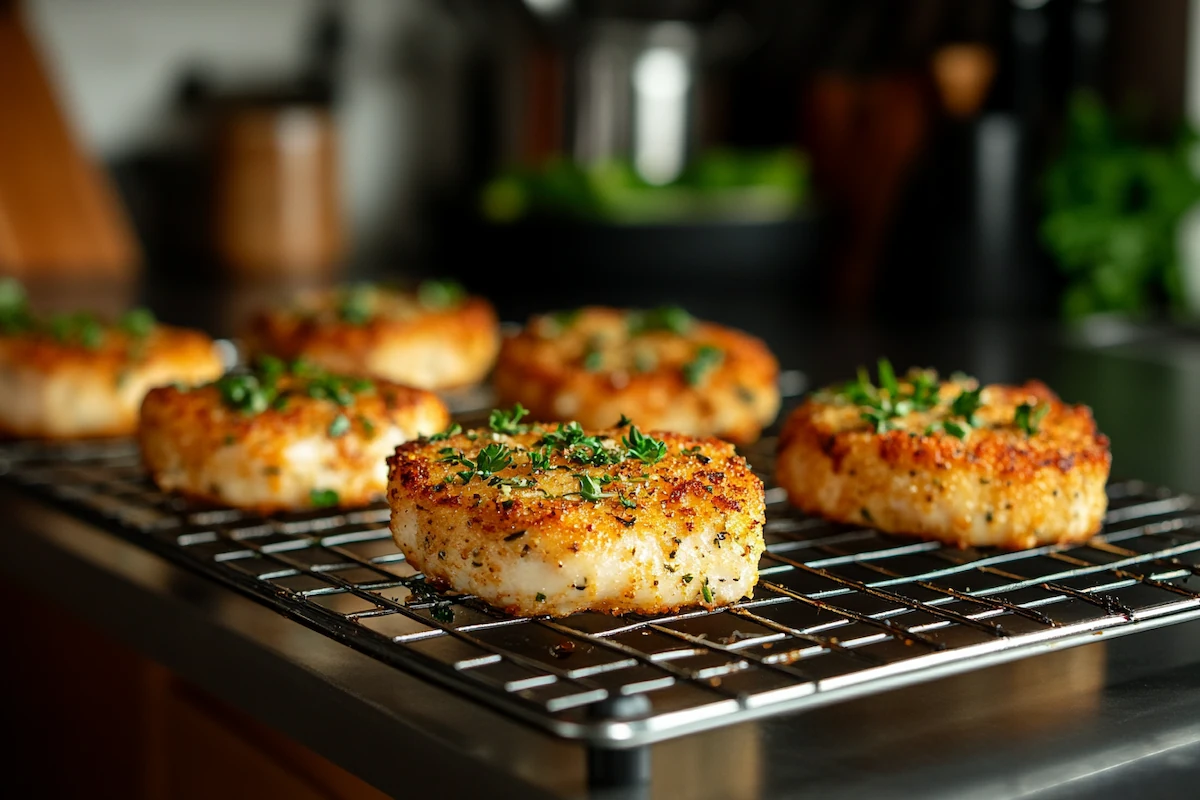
<point x="193" y="443"/>
<point x="401" y="341"/>
<point x="592" y="369"/>
<point x="666" y="535"/>
<point x="56" y="389"/>
<point x="998" y="486"/>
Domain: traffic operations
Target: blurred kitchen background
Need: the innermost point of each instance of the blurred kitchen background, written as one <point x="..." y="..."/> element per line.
<point x="848" y="159"/>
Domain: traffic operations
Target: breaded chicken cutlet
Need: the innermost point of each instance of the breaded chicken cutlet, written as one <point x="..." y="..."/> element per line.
<point x="542" y="519"/>
<point x="435" y="337"/>
<point x="970" y="465"/>
<point x="70" y="376"/>
<point x="282" y="436"/>
<point x="662" y="368"/>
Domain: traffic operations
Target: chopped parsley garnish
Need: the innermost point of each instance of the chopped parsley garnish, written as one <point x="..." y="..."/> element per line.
<point x="625" y="501"/>
<point x="367" y="426"/>
<point x="882" y="405"/>
<point x="589" y="489"/>
<point x="687" y="578"/>
<point x="593" y="360"/>
<point x="323" y="498"/>
<point x="624" y="421"/>
<point x="508" y="422"/>
<point x="966" y="404"/>
<point x="539" y="460"/>
<point x="666" y="318"/>
<point x="243" y="392"/>
<point x="80" y="328"/>
<point x="948" y="426"/>
<point x="340" y="426"/>
<point x="887" y="378"/>
<point x="565" y="319"/>
<point x="137" y="322"/>
<point x="489" y="461"/>
<point x="706" y="592"/>
<point x="438" y="295"/>
<point x="356" y="304"/>
<point x="453" y="430"/>
<point x="1029" y="418"/>
<point x="255" y="391"/>
<point x="14" y="307"/>
<point x="541" y="598"/>
<point x="706" y="359"/>
<point x="644" y="448"/>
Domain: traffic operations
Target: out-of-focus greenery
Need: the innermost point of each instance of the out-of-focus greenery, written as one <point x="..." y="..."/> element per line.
<point x="720" y="184"/>
<point x="1113" y="205"/>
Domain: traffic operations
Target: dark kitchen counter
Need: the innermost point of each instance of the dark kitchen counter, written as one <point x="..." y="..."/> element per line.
<point x="1093" y="721"/>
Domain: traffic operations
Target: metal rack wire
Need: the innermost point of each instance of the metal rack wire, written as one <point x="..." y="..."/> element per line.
<point x="839" y="609"/>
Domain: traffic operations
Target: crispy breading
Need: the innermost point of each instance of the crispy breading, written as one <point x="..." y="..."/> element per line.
<point x="194" y="443"/>
<point x="687" y="530"/>
<point x="703" y="380"/>
<point x="398" y="339"/>
<point x="997" y="486"/>
<point x="61" y="390"/>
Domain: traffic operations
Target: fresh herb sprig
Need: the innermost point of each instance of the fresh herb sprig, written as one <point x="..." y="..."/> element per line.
<point x="138" y="322"/>
<point x="439" y="295"/>
<point x="644" y="448"/>
<point x="356" y="304"/>
<point x="15" y="316"/>
<point x="1029" y="417"/>
<point x="255" y="391"/>
<point x="706" y="359"/>
<point x="665" y="318"/>
<point x="508" y="422"/>
<point x="490" y="460"/>
<point x="886" y="402"/>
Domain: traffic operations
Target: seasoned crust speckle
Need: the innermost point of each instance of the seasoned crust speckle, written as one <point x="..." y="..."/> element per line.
<point x="999" y="486"/>
<point x="399" y="340"/>
<point x="669" y="530"/>
<point x="63" y="390"/>
<point x="589" y="366"/>
<point x="193" y="443"/>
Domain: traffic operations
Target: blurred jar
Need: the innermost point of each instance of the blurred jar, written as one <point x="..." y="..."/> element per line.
<point x="277" y="201"/>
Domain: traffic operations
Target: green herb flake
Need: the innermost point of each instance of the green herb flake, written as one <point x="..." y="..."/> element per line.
<point x="593" y="360"/>
<point x="340" y="426"/>
<point x="508" y="422"/>
<point x="687" y="578"/>
<point x="706" y="359"/>
<point x="323" y="498"/>
<point x="966" y="404"/>
<point x="589" y="489"/>
<point x="439" y="295"/>
<point x="138" y="322"/>
<point x="887" y="378"/>
<point x="356" y="304"/>
<point x="666" y="318"/>
<point x="644" y="448"/>
<point x="706" y="592"/>
<point x="1029" y="418"/>
<point x="367" y="426"/>
<point x="453" y="430"/>
<point x="15" y="316"/>
<point x="539" y="597"/>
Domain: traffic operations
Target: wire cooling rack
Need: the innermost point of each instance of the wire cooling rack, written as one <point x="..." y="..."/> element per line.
<point x="839" y="609"/>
